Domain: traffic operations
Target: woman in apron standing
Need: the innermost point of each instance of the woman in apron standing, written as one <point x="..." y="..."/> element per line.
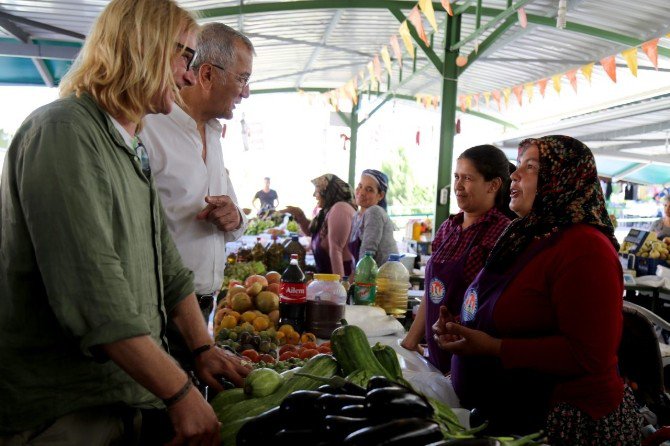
<point x="542" y="322"/>
<point x="461" y="245"/>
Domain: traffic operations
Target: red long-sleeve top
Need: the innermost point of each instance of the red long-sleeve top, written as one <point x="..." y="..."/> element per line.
<point x="562" y="315"/>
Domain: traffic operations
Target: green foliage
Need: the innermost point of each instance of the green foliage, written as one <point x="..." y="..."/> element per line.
<point x="5" y="138"/>
<point x="404" y="191"/>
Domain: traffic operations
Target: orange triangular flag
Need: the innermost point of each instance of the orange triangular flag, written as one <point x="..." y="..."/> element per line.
<point x="496" y="96"/>
<point x="386" y="57"/>
<point x="506" y="92"/>
<point x="556" y="79"/>
<point x="572" y="77"/>
<point x="468" y="102"/>
<point x="529" y="91"/>
<point x="523" y="19"/>
<point x="651" y="50"/>
<point x="461" y="102"/>
<point x="475" y="98"/>
<point x="351" y="90"/>
<point x="406" y="38"/>
<point x="587" y="71"/>
<point x="395" y="46"/>
<point x="415" y="18"/>
<point x="518" y="92"/>
<point x="542" y="84"/>
<point x="487" y="98"/>
<point x="436" y="101"/>
<point x="446" y="4"/>
<point x="377" y="67"/>
<point x="609" y="64"/>
<point x="631" y="60"/>
<point x="427" y="9"/>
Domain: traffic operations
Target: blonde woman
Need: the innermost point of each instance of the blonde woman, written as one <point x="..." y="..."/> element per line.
<point x="88" y="271"/>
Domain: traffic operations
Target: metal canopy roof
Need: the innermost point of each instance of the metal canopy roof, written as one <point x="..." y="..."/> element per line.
<point x="322" y="44"/>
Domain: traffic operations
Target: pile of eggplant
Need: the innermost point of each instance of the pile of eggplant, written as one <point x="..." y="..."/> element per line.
<point x="384" y="413"/>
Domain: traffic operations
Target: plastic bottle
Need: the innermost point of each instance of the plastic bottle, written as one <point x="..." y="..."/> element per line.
<point x="274" y="256"/>
<point x="258" y="251"/>
<point x="243" y="254"/>
<point x="326" y="299"/>
<point x="365" y="280"/>
<point x="294" y="247"/>
<point x="293" y="296"/>
<point x="345" y="283"/>
<point x="392" y="286"/>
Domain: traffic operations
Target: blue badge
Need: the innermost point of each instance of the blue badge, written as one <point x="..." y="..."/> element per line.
<point x="436" y="291"/>
<point x="470" y="305"/>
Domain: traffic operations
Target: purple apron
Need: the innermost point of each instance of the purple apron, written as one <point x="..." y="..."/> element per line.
<point x="515" y="401"/>
<point x="445" y="284"/>
<point x="322" y="258"/>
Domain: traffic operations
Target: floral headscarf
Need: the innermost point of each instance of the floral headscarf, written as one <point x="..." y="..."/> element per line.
<point x="568" y="192"/>
<point x="333" y="190"/>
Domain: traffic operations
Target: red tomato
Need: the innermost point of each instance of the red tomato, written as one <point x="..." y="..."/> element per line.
<point x="309" y="345"/>
<point x="324" y="349"/>
<point x="308" y="353"/>
<point x="287" y="348"/>
<point x="267" y="358"/>
<point x="287" y="355"/>
<point x="252" y="355"/>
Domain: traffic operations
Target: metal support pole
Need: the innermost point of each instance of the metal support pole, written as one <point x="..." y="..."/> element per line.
<point x="353" y="139"/>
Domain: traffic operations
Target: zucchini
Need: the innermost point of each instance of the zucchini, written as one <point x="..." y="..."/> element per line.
<point x="227" y="398"/>
<point x="232" y="417"/>
<point x="388" y="359"/>
<point x="351" y="348"/>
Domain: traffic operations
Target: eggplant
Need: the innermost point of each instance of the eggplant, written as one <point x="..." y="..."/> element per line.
<point x="382" y="382"/>
<point x="300" y="407"/>
<point x="257" y="430"/>
<point x="338" y="427"/>
<point x="332" y="404"/>
<point x="394" y="402"/>
<point x="353" y="389"/>
<point x="377" y="435"/>
<point x="421" y="436"/>
<point x="332" y="390"/>
<point x="467" y="442"/>
<point x="296" y="437"/>
<point x="477" y="417"/>
<point x="356" y="411"/>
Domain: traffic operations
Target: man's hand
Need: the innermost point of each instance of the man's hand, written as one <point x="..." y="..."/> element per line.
<point x="461" y="340"/>
<point x="194" y="421"/>
<point x="222" y="212"/>
<point x="218" y="362"/>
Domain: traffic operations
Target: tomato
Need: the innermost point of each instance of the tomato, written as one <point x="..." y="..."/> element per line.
<point x="267" y="358"/>
<point x="252" y="355"/>
<point x="288" y="355"/>
<point x="308" y="353"/>
<point x="325" y="344"/>
<point x="287" y="348"/>
<point x="307" y="337"/>
<point x="324" y="349"/>
<point x="309" y="345"/>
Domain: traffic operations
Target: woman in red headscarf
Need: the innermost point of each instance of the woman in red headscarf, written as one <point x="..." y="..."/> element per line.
<point x="542" y="321"/>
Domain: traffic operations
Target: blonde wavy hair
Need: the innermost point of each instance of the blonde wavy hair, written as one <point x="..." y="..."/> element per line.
<point x="126" y="59"/>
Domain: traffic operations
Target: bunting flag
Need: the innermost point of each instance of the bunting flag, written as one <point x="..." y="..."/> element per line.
<point x="468" y="102"/>
<point x="496" y="97"/>
<point x="609" y="65"/>
<point x="631" y="60"/>
<point x="406" y="38"/>
<point x="475" y="99"/>
<point x="371" y="72"/>
<point x="529" y="91"/>
<point x="415" y="18"/>
<point x="351" y="90"/>
<point x="523" y="19"/>
<point x="506" y="93"/>
<point x="461" y="102"/>
<point x="518" y="92"/>
<point x="556" y="80"/>
<point x="587" y="71"/>
<point x="542" y="84"/>
<point x="376" y="64"/>
<point x="572" y="77"/>
<point x="446" y="4"/>
<point x="651" y="50"/>
<point x="487" y="98"/>
<point x="361" y="74"/>
<point x="386" y="58"/>
<point x="436" y="102"/>
<point x="427" y="9"/>
<point x="395" y="46"/>
<point x="427" y="100"/>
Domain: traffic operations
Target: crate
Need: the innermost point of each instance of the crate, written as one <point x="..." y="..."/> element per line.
<point x="647" y="267"/>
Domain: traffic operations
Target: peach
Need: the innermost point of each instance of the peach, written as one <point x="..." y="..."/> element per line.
<point x="273" y="277"/>
<point x="256" y="278"/>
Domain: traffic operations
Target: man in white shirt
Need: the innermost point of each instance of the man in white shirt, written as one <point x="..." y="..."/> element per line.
<point x="186" y="158"/>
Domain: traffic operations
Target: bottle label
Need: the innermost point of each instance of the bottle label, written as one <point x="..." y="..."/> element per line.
<point x="292" y="292"/>
<point x="364" y="294"/>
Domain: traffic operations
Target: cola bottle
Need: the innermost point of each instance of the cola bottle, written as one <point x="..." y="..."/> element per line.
<point x="293" y="296"/>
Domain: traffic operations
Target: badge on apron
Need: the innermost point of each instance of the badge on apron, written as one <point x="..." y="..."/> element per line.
<point x="470" y="304"/>
<point x="436" y="290"/>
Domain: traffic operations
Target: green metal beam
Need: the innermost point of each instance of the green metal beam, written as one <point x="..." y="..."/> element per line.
<point x="353" y="142"/>
<point x="428" y="51"/>
<point x="491" y="23"/>
<point x="374" y="110"/>
<point x="346" y="119"/>
<point x="491" y="118"/>
<point x="488" y="42"/>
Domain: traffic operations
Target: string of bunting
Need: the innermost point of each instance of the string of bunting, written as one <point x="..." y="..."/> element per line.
<point x="502" y="96"/>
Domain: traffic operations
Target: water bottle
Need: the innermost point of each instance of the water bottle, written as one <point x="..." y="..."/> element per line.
<point x="392" y="286"/>
<point x="326" y="299"/>
<point x="365" y="280"/>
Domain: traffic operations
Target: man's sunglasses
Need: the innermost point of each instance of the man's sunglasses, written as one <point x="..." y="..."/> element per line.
<point x="188" y="54"/>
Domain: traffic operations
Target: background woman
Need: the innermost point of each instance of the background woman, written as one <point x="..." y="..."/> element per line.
<point x="662" y="226"/>
<point x="542" y="321"/>
<point x="331" y="227"/>
<point x="372" y="229"/>
<point x="461" y="245"/>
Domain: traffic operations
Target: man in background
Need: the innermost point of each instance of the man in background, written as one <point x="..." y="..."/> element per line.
<point x="186" y="159"/>
<point x="267" y="197"/>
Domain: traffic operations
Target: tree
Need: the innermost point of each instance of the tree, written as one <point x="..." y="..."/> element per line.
<point x="5" y="138"/>
<point x="404" y="192"/>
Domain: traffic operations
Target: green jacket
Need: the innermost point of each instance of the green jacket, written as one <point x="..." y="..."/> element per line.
<point x="85" y="259"/>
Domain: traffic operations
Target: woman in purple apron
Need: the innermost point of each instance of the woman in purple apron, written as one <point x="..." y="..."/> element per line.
<point x="372" y="229"/>
<point x="460" y="247"/>
<point x="331" y="227"/>
<point x="541" y="324"/>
